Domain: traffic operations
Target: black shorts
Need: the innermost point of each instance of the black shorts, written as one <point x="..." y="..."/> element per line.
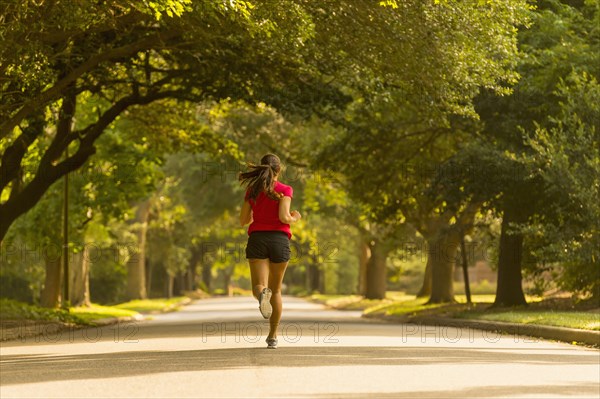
<point x="274" y="245"/>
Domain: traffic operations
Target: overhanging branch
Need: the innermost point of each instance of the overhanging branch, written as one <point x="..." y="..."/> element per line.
<point x="57" y="89"/>
<point x="48" y="173"/>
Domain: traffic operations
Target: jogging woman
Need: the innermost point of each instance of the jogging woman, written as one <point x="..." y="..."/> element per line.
<point x="267" y="208"/>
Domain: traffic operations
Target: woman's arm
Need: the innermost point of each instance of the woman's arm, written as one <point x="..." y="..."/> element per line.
<point x="245" y="214"/>
<point x="285" y="216"/>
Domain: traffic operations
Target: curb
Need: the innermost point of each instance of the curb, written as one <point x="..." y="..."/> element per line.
<point x="564" y="334"/>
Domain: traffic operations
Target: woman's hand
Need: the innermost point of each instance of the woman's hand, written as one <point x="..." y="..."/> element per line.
<point x="285" y="216"/>
<point x="296" y="215"/>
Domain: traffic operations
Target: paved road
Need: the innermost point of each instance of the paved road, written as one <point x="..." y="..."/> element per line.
<point x="215" y="348"/>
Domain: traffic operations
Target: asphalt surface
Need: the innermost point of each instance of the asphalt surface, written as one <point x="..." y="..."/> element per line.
<point x="215" y="348"/>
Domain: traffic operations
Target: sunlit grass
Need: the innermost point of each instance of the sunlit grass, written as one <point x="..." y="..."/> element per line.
<point x="395" y="302"/>
<point x="484" y="298"/>
<point x="339" y="301"/>
<point x="582" y="320"/>
<point x="128" y="309"/>
<point x="489" y="298"/>
<point x="95" y="311"/>
<point x="409" y="305"/>
<point x="152" y="305"/>
<point x="358" y="302"/>
<point x="14" y="310"/>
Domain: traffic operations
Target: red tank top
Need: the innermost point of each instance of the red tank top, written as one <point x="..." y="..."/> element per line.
<point x="265" y="211"/>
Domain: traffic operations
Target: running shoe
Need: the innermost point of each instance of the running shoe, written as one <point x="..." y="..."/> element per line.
<point x="264" y="303"/>
<point x="271" y="343"/>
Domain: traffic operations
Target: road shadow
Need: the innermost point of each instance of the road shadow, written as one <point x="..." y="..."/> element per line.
<point x="19" y="369"/>
<point x="575" y="390"/>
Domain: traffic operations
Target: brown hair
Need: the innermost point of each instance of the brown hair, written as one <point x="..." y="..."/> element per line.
<point x="261" y="178"/>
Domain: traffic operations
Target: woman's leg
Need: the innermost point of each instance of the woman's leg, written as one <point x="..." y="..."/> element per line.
<point x="276" y="272"/>
<point x="259" y="272"/>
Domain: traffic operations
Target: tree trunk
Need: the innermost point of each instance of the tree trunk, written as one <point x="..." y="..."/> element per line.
<point x="376" y="272"/>
<point x="363" y="258"/>
<point x="192" y="279"/>
<point x="315" y="283"/>
<point x="509" y="289"/>
<point x="425" y="290"/>
<point x="170" y="281"/>
<point x="191" y="274"/>
<point x="80" y="279"/>
<point x="227" y="288"/>
<point x="136" y="268"/>
<point x="179" y="282"/>
<point x="181" y="279"/>
<point x="206" y="276"/>
<point x="149" y="279"/>
<point x="442" y="252"/>
<point x="50" y="295"/>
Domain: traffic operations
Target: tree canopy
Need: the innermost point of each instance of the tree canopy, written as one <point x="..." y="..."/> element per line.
<point x="422" y="120"/>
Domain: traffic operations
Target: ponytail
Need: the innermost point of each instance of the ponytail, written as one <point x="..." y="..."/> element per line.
<point x="261" y="178"/>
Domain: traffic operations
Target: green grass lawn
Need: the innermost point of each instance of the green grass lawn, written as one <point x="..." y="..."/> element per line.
<point x="349" y="302"/>
<point x="395" y="302"/>
<point x="95" y="311"/>
<point x="85" y="315"/>
<point x="357" y="302"/>
<point x="15" y="310"/>
<point x="572" y="319"/>
<point x="410" y="305"/>
<point x="401" y="304"/>
<point x="152" y="305"/>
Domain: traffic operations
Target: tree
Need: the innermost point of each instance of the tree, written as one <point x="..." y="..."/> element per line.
<point x="127" y="54"/>
<point x="566" y="154"/>
<point x="563" y="39"/>
<point x="413" y="112"/>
